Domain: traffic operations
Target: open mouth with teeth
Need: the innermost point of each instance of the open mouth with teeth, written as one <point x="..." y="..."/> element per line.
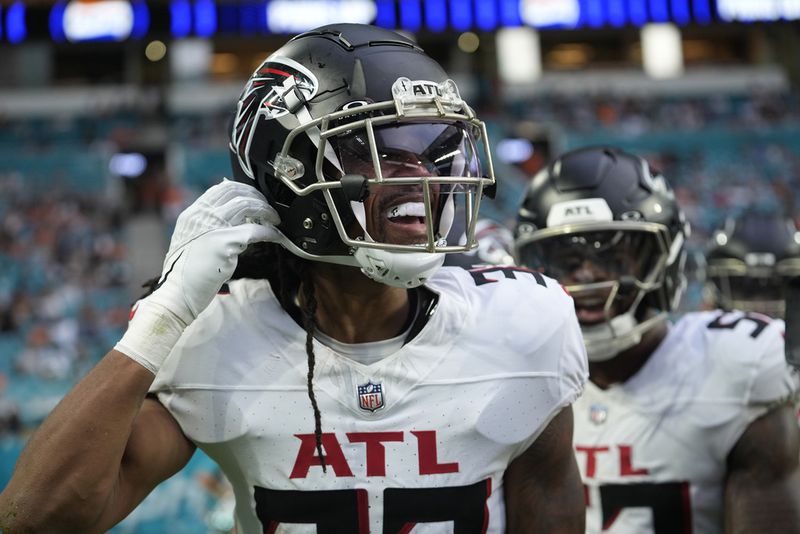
<point x="411" y="215"/>
<point x="397" y="218"/>
<point x="403" y="222"/>
<point x="590" y="310"/>
<point x="590" y="305"/>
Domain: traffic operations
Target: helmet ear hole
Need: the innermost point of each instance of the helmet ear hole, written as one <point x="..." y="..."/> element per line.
<point x="310" y="225"/>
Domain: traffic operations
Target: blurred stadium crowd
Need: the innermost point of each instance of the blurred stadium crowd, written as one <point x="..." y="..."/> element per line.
<point x="65" y="274"/>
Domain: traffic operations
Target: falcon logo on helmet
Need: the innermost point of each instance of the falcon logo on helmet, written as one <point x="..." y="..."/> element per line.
<point x="364" y="151"/>
<point x="284" y="84"/>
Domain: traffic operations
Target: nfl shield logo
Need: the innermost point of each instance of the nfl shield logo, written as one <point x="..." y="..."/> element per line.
<point x="598" y="414"/>
<point x="370" y="396"/>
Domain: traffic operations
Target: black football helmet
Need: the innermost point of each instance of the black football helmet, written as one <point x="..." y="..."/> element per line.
<point x="749" y="261"/>
<point x="345" y="110"/>
<point x="608" y="227"/>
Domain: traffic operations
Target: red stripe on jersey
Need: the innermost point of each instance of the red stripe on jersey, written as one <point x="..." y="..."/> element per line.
<point x="362" y="498"/>
<point x="486" y="506"/>
<point x="686" y="496"/>
<point x="270" y="70"/>
<point x="133" y="311"/>
<point x="611" y="519"/>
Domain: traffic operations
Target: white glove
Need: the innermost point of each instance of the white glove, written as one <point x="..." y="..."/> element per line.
<point x="203" y="252"/>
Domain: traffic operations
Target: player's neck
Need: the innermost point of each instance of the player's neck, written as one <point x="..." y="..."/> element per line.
<point x="627" y="363"/>
<point x="354" y="309"/>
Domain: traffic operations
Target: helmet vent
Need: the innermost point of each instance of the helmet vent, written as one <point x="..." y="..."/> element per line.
<point x="632" y="216"/>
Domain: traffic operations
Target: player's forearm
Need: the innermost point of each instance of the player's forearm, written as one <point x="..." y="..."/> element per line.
<point x="563" y="521"/>
<point x="544" y="492"/>
<point x="560" y="510"/>
<point x="69" y="469"/>
<point x="762" y="490"/>
<point x="755" y="506"/>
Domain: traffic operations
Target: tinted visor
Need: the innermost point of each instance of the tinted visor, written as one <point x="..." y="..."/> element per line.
<point x="587" y="257"/>
<point x="410" y="150"/>
<point x="436" y="160"/>
<point x="750" y="288"/>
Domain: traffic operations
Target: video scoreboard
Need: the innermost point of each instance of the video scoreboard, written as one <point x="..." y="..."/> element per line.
<point x="119" y="20"/>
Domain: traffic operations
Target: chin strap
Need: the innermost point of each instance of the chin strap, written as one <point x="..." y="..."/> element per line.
<point x="605" y="341"/>
<point x="398" y="269"/>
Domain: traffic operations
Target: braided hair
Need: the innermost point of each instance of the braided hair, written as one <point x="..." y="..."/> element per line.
<point x="287" y="274"/>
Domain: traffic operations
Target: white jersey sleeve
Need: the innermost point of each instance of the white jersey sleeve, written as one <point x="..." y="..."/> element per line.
<point x="771" y="383"/>
<point x="749" y="364"/>
<point x="534" y="317"/>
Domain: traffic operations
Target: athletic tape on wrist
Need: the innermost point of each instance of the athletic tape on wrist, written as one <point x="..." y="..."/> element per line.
<point x="152" y="333"/>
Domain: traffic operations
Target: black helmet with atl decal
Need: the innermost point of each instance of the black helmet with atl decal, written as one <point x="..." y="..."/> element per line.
<point x="341" y="111"/>
<point x="605" y="224"/>
<point x="750" y="260"/>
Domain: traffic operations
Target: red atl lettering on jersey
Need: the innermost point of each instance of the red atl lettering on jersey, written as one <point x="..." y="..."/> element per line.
<point x="307" y="456"/>
<point x="375" y="452"/>
<point x="591" y="458"/>
<point x="428" y="457"/>
<point x="626" y="468"/>
<point x="625" y="455"/>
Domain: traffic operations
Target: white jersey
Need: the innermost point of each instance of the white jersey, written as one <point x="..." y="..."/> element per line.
<point x="418" y="439"/>
<point x="652" y="451"/>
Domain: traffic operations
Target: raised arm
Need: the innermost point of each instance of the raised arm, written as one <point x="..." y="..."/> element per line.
<point x="543" y="486"/>
<point x="96" y="456"/>
<point x="105" y="447"/>
<point x="762" y="492"/>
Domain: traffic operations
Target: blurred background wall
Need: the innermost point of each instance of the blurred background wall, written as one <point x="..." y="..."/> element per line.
<point x="113" y="118"/>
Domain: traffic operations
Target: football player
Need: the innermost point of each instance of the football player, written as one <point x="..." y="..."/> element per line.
<point x="683" y="427"/>
<point x="351" y="385"/>
<point x="749" y="261"/>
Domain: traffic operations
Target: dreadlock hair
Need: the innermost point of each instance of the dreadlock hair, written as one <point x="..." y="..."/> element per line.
<point x="287" y="274"/>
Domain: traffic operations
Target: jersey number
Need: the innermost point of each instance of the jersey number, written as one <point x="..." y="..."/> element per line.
<point x="669" y="502"/>
<point x="760" y="323"/>
<point x="479" y="274"/>
<point x="334" y="511"/>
